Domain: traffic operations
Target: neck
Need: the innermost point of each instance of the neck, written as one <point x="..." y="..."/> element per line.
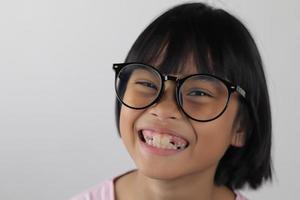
<point x="194" y="186"/>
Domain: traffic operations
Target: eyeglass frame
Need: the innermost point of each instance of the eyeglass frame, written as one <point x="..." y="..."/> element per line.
<point x="117" y="67"/>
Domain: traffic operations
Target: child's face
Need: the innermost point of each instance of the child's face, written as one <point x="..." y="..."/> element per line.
<point x="208" y="141"/>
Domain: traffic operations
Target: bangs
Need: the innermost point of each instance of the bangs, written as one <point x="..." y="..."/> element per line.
<point x="178" y="39"/>
<point x="170" y="44"/>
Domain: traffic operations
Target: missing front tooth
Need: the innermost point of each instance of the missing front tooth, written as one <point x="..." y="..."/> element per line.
<point x="141" y="136"/>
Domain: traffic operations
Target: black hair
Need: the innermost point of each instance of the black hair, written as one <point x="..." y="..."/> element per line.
<point x="219" y="44"/>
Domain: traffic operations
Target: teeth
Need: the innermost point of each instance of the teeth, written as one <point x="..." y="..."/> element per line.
<point x="163" y="142"/>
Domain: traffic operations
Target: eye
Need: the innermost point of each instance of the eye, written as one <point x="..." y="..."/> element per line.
<point x="197" y="92"/>
<point x="147" y="84"/>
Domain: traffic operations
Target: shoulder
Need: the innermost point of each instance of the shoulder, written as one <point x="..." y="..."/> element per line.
<point x="102" y="191"/>
<point x="239" y="196"/>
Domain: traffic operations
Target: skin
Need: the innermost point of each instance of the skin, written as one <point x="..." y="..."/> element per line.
<point x="185" y="175"/>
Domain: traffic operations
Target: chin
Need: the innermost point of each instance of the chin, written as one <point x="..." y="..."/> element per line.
<point x="154" y="172"/>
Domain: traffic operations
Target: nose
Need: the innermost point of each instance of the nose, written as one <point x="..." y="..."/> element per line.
<point x="166" y="107"/>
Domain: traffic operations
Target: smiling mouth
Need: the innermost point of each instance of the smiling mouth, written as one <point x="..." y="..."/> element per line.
<point x="162" y="140"/>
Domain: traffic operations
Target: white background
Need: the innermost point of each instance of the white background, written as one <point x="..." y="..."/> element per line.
<point x="57" y="129"/>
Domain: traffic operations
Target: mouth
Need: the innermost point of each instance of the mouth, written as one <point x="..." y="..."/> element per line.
<point x="160" y="140"/>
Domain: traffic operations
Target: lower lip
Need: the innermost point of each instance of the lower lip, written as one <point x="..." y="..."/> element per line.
<point x="157" y="151"/>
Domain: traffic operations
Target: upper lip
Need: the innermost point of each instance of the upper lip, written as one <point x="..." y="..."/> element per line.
<point x="162" y="130"/>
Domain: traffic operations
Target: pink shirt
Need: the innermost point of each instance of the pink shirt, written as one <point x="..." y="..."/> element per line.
<point x="105" y="191"/>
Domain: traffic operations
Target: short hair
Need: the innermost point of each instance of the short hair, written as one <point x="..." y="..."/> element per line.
<point x="221" y="45"/>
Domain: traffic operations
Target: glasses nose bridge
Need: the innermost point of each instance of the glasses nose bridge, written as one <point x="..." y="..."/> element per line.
<point x="170" y="78"/>
<point x="166" y="77"/>
<point x="175" y="79"/>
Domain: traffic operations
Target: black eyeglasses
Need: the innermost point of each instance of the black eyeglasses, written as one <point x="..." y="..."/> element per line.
<point x="202" y="97"/>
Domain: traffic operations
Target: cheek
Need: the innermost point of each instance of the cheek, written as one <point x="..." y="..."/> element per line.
<point x="128" y="117"/>
<point x="211" y="145"/>
<point x="214" y="138"/>
<point x="125" y="121"/>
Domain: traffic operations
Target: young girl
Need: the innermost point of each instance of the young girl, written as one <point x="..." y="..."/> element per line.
<point x="192" y="110"/>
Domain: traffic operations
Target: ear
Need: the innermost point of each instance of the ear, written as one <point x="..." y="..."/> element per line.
<point x="238" y="137"/>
